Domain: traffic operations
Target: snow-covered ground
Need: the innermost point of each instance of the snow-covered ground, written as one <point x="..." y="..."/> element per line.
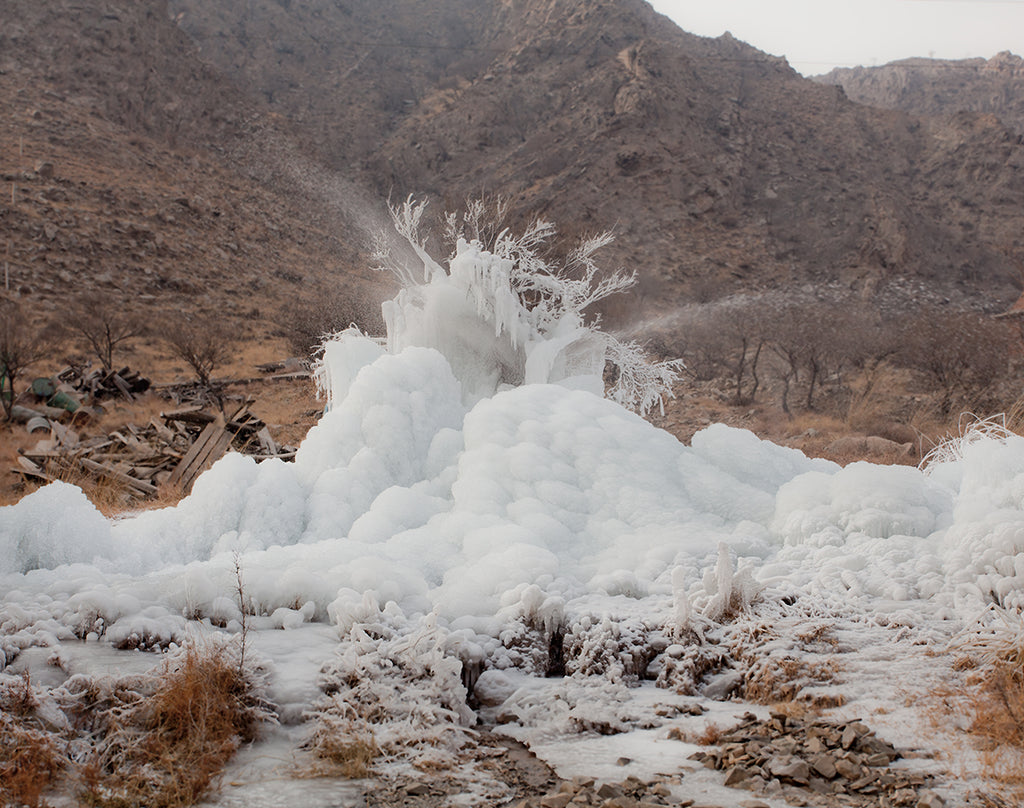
<point x="581" y="568"/>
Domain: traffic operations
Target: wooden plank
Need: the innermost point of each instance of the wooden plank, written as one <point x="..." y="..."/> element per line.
<point x="217" y="449"/>
<point x="100" y="468"/>
<point x="189" y="416"/>
<point x="209" y="447"/>
<point x="38" y="475"/>
<point x="208" y="434"/>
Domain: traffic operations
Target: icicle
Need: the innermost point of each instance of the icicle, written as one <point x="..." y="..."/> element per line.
<point x="683" y="610"/>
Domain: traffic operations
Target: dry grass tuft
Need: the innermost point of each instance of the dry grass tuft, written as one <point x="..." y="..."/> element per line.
<point x="774" y="680"/>
<point x="350" y="755"/>
<point x="711" y="735"/>
<point x="30" y="760"/>
<point x="29" y="763"/>
<point x="165" y="751"/>
<point x="989" y="704"/>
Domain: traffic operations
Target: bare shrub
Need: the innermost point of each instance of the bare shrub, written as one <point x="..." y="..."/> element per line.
<point x="305" y="326"/>
<point x="807" y="341"/>
<point x="21" y="346"/>
<point x="201" y="342"/>
<point x="104" y="324"/>
<point x="963" y="355"/>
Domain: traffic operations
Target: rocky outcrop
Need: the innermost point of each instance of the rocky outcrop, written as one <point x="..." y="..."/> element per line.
<point x="940" y="87"/>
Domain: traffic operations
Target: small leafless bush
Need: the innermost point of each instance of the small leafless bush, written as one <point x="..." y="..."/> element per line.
<point x="104" y="323"/>
<point x="963" y="355"/>
<point x="305" y="326"/>
<point x="203" y="343"/>
<point x="22" y="344"/>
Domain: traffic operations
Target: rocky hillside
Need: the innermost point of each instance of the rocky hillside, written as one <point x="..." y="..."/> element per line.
<point x="940" y="87"/>
<point x="719" y="167"/>
<point x="234" y="156"/>
<point x="125" y="169"/>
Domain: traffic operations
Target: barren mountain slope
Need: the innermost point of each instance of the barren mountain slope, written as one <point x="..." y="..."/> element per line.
<point x="715" y="163"/>
<point x="122" y="158"/>
<point x="940" y="87"/>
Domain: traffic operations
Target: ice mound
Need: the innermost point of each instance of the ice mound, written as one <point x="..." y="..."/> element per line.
<point x="472" y="473"/>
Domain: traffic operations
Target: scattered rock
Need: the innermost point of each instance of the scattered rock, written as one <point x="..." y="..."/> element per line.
<point x="722" y="686"/>
<point x="816" y="762"/>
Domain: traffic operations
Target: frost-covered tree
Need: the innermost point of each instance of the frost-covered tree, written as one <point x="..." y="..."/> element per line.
<point x="504" y="313"/>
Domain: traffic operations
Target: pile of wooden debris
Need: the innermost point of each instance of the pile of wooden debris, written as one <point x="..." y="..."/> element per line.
<point x="171" y="450"/>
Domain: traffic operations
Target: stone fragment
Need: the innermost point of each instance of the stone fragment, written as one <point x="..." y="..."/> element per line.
<point x="820" y="786"/>
<point x="824" y="765"/>
<point x="864" y="782"/>
<point x="849" y="769"/>
<point x="623" y="761"/>
<point x="559" y="800"/>
<point x="736" y="775"/>
<point x="417" y="789"/>
<point x="722" y="686"/>
<point x="608" y="791"/>
<point x="929" y="799"/>
<point x="793" y="769"/>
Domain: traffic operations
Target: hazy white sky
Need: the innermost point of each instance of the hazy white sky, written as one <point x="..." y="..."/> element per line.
<point x="817" y="35"/>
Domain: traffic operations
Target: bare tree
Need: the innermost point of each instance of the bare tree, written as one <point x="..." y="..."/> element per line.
<point x="308" y="324"/>
<point x="105" y="324"/>
<point x="21" y="346"/>
<point x="203" y="343"/>
<point x="964" y="355"/>
<point x="725" y="339"/>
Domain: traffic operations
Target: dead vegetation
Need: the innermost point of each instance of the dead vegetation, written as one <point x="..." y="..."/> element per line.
<point x="347" y="754"/>
<point x="30" y="759"/>
<point x="987" y="703"/>
<point x="165" y="750"/>
<point x="158" y="740"/>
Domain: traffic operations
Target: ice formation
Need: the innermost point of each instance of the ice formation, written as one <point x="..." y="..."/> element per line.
<point x="468" y="481"/>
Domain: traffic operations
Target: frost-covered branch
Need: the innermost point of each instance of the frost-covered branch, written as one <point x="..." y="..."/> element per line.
<point x="406" y="218"/>
<point x="532" y="309"/>
<point x="640" y="384"/>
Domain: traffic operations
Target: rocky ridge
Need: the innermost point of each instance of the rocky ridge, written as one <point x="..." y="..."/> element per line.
<point x="720" y="167"/>
<point x="940" y="87"/>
